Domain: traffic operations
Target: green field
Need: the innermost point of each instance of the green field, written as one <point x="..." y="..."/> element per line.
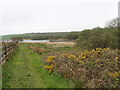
<point x="34" y="65"/>
<point x="25" y="69"/>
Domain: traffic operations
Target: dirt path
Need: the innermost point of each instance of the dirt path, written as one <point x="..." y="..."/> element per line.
<point x="25" y="70"/>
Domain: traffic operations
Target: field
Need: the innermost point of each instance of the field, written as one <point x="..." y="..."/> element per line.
<point x="26" y="69"/>
<point x="61" y="65"/>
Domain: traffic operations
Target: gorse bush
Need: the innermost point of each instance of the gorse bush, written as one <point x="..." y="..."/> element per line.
<point x="98" y="38"/>
<point x="97" y="68"/>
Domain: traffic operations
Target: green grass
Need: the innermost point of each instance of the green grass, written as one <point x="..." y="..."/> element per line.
<point x="0" y="77"/>
<point x="25" y="69"/>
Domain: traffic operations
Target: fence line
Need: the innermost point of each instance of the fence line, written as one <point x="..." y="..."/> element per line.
<point x="6" y="47"/>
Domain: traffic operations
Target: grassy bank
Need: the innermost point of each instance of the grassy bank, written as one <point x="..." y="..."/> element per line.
<point x="25" y="69"/>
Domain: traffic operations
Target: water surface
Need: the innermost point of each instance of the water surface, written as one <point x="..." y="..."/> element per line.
<point x="35" y="41"/>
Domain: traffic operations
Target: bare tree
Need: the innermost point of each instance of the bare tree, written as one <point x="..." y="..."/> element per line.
<point x="113" y="23"/>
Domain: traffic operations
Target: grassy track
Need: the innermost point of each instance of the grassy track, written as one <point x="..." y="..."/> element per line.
<point x="25" y="69"/>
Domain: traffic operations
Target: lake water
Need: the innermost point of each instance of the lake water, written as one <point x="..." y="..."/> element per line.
<point x="35" y="41"/>
<point x="28" y="40"/>
<point x="5" y="40"/>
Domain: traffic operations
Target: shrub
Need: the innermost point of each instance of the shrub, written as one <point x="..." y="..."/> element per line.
<point x="97" y="68"/>
<point x="98" y="38"/>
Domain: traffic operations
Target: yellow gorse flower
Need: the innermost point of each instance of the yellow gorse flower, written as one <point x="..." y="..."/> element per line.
<point x="71" y="56"/>
<point x="106" y="48"/>
<point x="50" y="58"/>
<point x="65" y="54"/>
<point x="97" y="48"/>
<point x="46" y="66"/>
<point x="83" y="57"/>
<point x="93" y="50"/>
<point x="81" y="62"/>
<point x="116" y="58"/>
<point x="50" y="67"/>
<point x="115" y="74"/>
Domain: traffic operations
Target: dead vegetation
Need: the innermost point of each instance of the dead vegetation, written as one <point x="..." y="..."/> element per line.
<point x="56" y="44"/>
<point x="38" y="49"/>
<point x="90" y="69"/>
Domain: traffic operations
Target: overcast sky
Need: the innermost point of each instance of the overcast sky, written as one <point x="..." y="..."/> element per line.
<point x="26" y="16"/>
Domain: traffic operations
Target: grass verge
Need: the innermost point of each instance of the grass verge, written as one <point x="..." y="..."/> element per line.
<point x="25" y="69"/>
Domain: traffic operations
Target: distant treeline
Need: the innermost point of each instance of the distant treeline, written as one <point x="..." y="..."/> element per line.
<point x="41" y="36"/>
<point x="86" y="39"/>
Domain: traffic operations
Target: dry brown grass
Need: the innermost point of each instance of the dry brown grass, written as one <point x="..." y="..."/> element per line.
<point x="56" y="44"/>
<point x="0" y="43"/>
<point x="38" y="49"/>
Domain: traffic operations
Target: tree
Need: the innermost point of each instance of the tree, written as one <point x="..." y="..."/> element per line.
<point x="73" y="35"/>
<point x="16" y="39"/>
<point x="113" y="23"/>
